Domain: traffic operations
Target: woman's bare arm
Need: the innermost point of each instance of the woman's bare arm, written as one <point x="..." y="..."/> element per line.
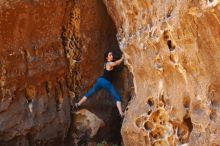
<point x="117" y="62"/>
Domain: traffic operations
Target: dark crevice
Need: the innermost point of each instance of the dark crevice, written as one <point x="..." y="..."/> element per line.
<point x="169" y="12"/>
<point x="48" y="86"/>
<point x="171" y="45"/>
<point x="189" y="124"/>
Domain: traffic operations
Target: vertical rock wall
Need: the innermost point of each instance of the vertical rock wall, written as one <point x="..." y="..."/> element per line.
<point x="34" y="105"/>
<point x="172" y="50"/>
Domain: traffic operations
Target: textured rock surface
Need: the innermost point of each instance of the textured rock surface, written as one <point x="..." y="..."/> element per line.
<point x="34" y="106"/>
<point x="172" y="50"/>
<point x="87" y="122"/>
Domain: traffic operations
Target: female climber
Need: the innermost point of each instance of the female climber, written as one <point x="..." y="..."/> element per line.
<point x="105" y="81"/>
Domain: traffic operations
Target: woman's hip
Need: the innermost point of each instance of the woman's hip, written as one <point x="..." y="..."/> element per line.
<point x="104" y="82"/>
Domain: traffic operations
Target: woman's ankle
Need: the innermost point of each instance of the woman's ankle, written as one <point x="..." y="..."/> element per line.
<point x="122" y="115"/>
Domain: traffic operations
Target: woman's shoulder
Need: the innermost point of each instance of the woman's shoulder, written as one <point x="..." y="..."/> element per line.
<point x="109" y="63"/>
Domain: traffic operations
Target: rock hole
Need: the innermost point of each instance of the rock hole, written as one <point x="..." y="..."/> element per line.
<point x="186" y="101"/>
<point x="166" y="34"/>
<point x="150" y="102"/>
<point x="188" y="123"/>
<point x="171" y="45"/>
<point x="162" y="101"/>
<point x="149" y="112"/>
<point x="148" y="125"/>
<point x="139" y="121"/>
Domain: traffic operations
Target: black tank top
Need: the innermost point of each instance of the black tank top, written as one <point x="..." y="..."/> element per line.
<point x="108" y="74"/>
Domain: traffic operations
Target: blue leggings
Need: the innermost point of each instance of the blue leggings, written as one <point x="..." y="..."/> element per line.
<point x="103" y="83"/>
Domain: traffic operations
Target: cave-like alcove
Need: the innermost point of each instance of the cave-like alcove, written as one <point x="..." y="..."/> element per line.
<point x="98" y="34"/>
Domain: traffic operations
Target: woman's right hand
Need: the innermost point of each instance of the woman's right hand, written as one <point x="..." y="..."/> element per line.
<point x="117" y="62"/>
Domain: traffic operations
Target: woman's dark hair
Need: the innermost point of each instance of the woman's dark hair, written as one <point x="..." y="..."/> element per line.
<point x="106" y="54"/>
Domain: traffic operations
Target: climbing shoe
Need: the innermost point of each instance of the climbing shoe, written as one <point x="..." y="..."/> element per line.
<point x="75" y="107"/>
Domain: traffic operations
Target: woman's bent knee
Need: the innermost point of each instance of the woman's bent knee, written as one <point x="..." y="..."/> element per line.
<point x="118" y="99"/>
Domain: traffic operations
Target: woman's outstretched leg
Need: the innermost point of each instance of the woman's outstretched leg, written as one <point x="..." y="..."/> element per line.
<point x="117" y="97"/>
<point x="82" y="100"/>
<point x="95" y="88"/>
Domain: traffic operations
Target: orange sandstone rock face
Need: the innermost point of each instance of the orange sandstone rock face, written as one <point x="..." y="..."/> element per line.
<point x="172" y="50"/>
<point x="34" y="105"/>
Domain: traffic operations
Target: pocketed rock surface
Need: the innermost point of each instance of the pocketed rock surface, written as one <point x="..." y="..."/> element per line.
<point x="172" y="50"/>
